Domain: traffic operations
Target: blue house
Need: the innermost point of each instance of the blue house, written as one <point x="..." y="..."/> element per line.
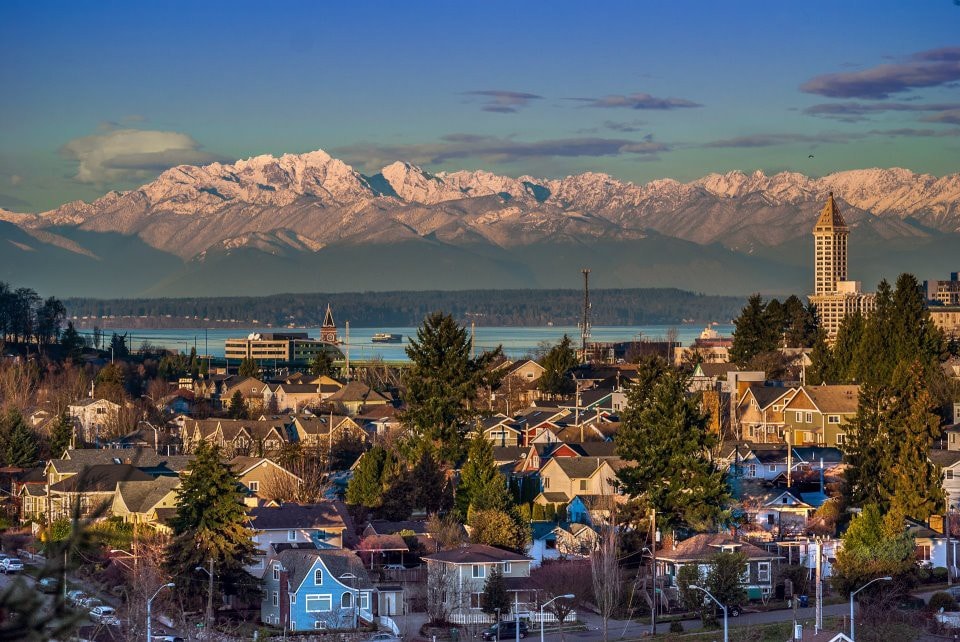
<point x="307" y="589"/>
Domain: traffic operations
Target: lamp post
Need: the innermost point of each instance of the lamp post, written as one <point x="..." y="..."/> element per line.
<point x="209" y="616"/>
<point x="150" y="605"/>
<point x="117" y="551"/>
<point x="568" y="596"/>
<point x="726" y="637"/>
<point x="853" y="631"/>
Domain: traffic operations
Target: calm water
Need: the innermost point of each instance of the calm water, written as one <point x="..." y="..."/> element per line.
<point x="516" y="342"/>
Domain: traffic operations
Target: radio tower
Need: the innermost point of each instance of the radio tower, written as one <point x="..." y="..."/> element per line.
<point x="585" y="325"/>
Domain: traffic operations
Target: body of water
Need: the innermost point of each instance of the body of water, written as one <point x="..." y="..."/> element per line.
<point x="517" y="342"/>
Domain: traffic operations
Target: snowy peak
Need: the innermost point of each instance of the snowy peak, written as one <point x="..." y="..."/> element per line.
<point x="412" y="184"/>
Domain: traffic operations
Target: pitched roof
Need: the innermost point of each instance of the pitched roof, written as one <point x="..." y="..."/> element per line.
<point x="717" y="369"/>
<point x="766" y="395"/>
<point x="476" y="554"/>
<point x="705" y="546"/>
<point x="385" y="527"/>
<point x="356" y="391"/>
<point x="75" y="460"/>
<point x="580" y="467"/>
<point x="101" y="478"/>
<point x="834" y="399"/>
<point x="378" y="542"/>
<point x="298" y="562"/>
<point x="141" y="496"/>
<point x="329" y="514"/>
<point x="830" y="217"/>
<point x="944" y="458"/>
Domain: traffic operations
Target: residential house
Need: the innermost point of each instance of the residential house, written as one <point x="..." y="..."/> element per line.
<point x="818" y="415"/>
<point x="322" y="431"/>
<point x="699" y="550"/>
<point x="770" y="512"/>
<point x="90" y="493"/>
<point x="239" y="436"/>
<point x="573" y="476"/>
<point x="265" y="478"/>
<point x="379" y="421"/>
<point x="312" y="589"/>
<point x="292" y="396"/>
<point x="321" y="525"/>
<point x="138" y="502"/>
<point x="593" y="510"/>
<point x="30" y="487"/>
<point x="356" y="397"/>
<point x="179" y="401"/>
<point x="949" y="462"/>
<point x="455" y="580"/>
<point x="760" y="413"/>
<point x="96" y="417"/>
<point x="564" y="540"/>
<point x="250" y="388"/>
<point x="500" y="430"/>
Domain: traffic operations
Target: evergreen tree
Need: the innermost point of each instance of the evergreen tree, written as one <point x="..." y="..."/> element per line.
<point x="871" y="549"/>
<point x="238" y="406"/>
<point x="211" y="524"/>
<point x="431" y="489"/>
<point x="865" y="447"/>
<point x="755" y="333"/>
<point x="800" y="323"/>
<point x="495" y="599"/>
<point x="111" y="383"/>
<point x="668" y="441"/>
<point x="72" y="342"/>
<point x="822" y="366"/>
<point x="61" y="435"/>
<point x="557" y="364"/>
<point x="400" y="494"/>
<point x="346" y="450"/>
<point x="249" y="368"/>
<point x="481" y="485"/>
<point x="650" y="369"/>
<point x="498" y="527"/>
<point x="22" y="446"/>
<point x="118" y="346"/>
<point x="842" y="365"/>
<point x="322" y="364"/>
<point x="367" y="483"/>
<point x="442" y="382"/>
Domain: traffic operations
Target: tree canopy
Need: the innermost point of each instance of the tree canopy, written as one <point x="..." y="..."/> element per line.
<point x="557" y="364"/>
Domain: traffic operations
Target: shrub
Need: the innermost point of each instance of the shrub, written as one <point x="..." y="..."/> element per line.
<point x="676" y="626"/>
<point x="938" y="575"/>
<point x="942" y="600"/>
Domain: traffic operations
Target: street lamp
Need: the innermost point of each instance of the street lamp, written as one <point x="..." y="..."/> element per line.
<point x="726" y="637"/>
<point x="150" y="605"/>
<point x="568" y="596"/>
<point x="117" y="551"/>
<point x="853" y="635"/>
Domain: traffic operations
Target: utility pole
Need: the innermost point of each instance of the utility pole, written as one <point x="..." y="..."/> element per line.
<point x="946" y="530"/>
<point x="209" y="617"/>
<point x="818" y="619"/>
<point x="585" y="325"/>
<point x="653" y="567"/>
<point x="473" y="347"/>
<point x="347" y="355"/>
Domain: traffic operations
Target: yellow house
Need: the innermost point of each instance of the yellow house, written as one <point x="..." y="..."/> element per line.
<point x="137" y="502"/>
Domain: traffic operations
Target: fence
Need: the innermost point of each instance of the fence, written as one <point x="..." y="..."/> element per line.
<point x="528" y="613"/>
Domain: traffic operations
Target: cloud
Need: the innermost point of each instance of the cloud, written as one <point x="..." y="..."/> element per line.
<point x="639" y="101"/>
<point x="772" y="140"/>
<point x="490" y="148"/>
<point x="501" y="101"/>
<point x="951" y="117"/>
<point x="632" y="126"/>
<point x="125" y="154"/>
<point x="924" y="69"/>
<point x="856" y="111"/>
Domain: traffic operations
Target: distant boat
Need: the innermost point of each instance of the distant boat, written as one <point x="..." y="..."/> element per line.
<point x="385" y="337"/>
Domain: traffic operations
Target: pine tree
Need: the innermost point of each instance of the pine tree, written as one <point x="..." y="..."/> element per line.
<point x="872" y="549"/>
<point x="366" y="485"/>
<point x="72" y="342"/>
<point x="61" y="435"/>
<point x="557" y="364"/>
<point x="481" y="485"/>
<point x="238" y="406"/>
<point x="668" y="442"/>
<point x="22" y="445"/>
<point x="211" y="524"/>
<point x="495" y="599"/>
<point x="248" y="368"/>
<point x="755" y="332"/>
<point x="843" y="363"/>
<point x="322" y="364"/>
<point x="442" y="382"/>
<point x="865" y="449"/>
<point x="431" y="490"/>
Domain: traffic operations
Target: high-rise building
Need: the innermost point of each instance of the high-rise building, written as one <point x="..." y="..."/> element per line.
<point x="833" y="295"/>
<point x="944" y="292"/>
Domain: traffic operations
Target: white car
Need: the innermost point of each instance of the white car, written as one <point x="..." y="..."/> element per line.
<point x="11" y="565"/>
<point x="104" y="615"/>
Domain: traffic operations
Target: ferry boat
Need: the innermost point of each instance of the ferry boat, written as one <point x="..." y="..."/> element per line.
<point x="386" y="337"/>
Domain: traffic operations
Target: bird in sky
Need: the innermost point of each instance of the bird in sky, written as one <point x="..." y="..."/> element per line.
<point x="810" y="156"/>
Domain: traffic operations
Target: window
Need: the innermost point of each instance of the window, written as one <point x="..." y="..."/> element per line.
<point x="745" y="576"/>
<point x="364" y="601"/>
<point x="292" y="535"/>
<point x="763" y="572"/>
<point x="346" y="600"/>
<point x="254" y="486"/>
<point x="475" y="600"/>
<point x="546" y="482"/>
<point x="583" y="484"/>
<point x="293" y="598"/>
<point x="841" y="439"/>
<point x="923" y="553"/>
<point x="318" y="603"/>
<point x="276" y="571"/>
<point x="799" y="417"/>
<point x="318" y="577"/>
<point x="479" y="571"/>
<point x="275" y="599"/>
<point x="507" y="568"/>
<point x="948" y="474"/>
<point x="770" y="519"/>
<point x="809" y="417"/>
<point x="833" y="419"/>
<point x="772" y="468"/>
<point x="753" y="470"/>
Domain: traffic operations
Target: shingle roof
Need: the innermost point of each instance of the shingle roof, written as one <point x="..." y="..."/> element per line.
<point x="385" y="527"/>
<point x="383" y="543"/>
<point x="299" y="561"/>
<point x="705" y="546"/>
<point x="322" y="515"/>
<point x="356" y="391"/>
<point x="581" y="467"/>
<point x="476" y="554"/>
<point x="766" y="395"/>
<point x="555" y="497"/>
<point x="834" y="399"/>
<point x="141" y="496"/>
<point x="100" y="479"/>
<point x="944" y="458"/>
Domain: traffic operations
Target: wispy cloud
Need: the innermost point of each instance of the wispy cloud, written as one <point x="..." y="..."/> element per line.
<point x="632" y="126"/>
<point x="775" y="139"/>
<point x="951" y="117"/>
<point x="857" y="111"/>
<point x="124" y="154"/>
<point x="923" y="69"/>
<point x="372" y="156"/>
<point x="639" y="101"/>
<point x="911" y="132"/>
<point x="500" y="101"/>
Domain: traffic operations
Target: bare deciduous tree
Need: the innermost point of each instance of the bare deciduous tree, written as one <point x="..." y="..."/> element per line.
<point x="553" y="579"/>
<point x="605" y="571"/>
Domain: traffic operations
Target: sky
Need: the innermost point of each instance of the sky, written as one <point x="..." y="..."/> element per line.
<point x="101" y="96"/>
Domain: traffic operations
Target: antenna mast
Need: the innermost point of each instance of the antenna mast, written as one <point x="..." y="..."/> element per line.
<point x="585" y="325"/>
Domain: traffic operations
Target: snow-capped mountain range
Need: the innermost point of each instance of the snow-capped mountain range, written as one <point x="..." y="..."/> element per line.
<point x="312" y="202"/>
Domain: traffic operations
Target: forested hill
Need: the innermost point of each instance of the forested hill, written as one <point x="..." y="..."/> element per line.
<point x="397" y="309"/>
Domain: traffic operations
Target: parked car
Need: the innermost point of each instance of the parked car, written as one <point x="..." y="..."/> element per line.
<point x="394" y="567"/>
<point x="911" y="603"/>
<point x="732" y="611"/>
<point x="11" y="565"/>
<point x="167" y="637"/>
<point x="104" y="615"/>
<point x="504" y="630"/>
<point x="47" y="585"/>
<point x="74" y="597"/>
<point x="90" y="603"/>
<point x="383" y="637"/>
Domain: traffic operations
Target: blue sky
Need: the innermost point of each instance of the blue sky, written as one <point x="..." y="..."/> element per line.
<point x="101" y="96"/>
